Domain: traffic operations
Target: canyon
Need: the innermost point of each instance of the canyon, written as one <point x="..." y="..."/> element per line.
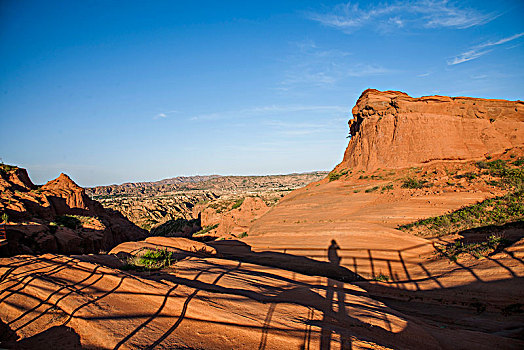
<point x="153" y="204"/>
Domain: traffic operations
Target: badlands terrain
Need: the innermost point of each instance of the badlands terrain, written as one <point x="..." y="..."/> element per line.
<point x="414" y="241"/>
<point x="152" y="204"/>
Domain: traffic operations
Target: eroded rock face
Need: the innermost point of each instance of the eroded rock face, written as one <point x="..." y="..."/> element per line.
<point x="235" y="221"/>
<point x="64" y="188"/>
<point x="58" y="217"/>
<point x="393" y="130"/>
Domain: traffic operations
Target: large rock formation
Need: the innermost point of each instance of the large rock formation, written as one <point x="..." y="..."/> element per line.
<point x="58" y="217"/>
<point x="393" y="130"/>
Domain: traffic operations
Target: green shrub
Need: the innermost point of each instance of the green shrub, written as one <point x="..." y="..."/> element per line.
<point x="496" y="183"/>
<point x="410" y="182"/>
<point x="518" y="162"/>
<point x="74" y="221"/>
<point x="479" y="249"/>
<point x="205" y="230"/>
<point x="372" y="189"/>
<point x="238" y="203"/>
<point x="493" y="211"/>
<point x="171" y="227"/>
<point x="387" y="187"/>
<point x="335" y="176"/>
<point x="381" y="278"/>
<point x="69" y="221"/>
<point x="153" y="259"/>
<point x="468" y="176"/>
<point x="7" y="168"/>
<point x="494" y="165"/>
<point x="242" y="235"/>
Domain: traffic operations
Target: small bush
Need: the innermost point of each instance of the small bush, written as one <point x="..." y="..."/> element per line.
<point x="174" y="227"/>
<point x="410" y="182"/>
<point x="372" y="189"/>
<point x="68" y="221"/>
<point x="242" y="235"/>
<point x="335" y="176"/>
<point x="496" y="183"/>
<point x="494" y="165"/>
<point x="452" y="251"/>
<point x="387" y="187"/>
<point x="468" y="176"/>
<point x="238" y="203"/>
<point x="152" y="259"/>
<point x="493" y="211"/>
<point x="381" y="278"/>
<point x="205" y="230"/>
<point x="7" y="168"/>
<point x="518" y="162"/>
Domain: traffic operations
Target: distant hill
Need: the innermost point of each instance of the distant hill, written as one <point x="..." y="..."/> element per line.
<point x="208" y="182"/>
<point x="151" y="204"/>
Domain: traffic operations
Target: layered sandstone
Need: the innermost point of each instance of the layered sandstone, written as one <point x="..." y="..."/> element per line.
<point x="390" y="129"/>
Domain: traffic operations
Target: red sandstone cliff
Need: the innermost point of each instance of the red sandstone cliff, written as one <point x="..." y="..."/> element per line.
<point x="390" y="129"/>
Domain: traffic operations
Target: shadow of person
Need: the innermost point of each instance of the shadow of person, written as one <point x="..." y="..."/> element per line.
<point x="333" y="256"/>
<point x="332" y="286"/>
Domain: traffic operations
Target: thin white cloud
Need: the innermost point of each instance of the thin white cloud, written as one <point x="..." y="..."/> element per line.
<point x="311" y="65"/>
<point x="501" y="41"/>
<point x="467" y="56"/>
<point x="365" y="70"/>
<point x="415" y="14"/>
<point x="309" y="78"/>
<point x="164" y="115"/>
<point x="482" y="49"/>
<point x="479" y="76"/>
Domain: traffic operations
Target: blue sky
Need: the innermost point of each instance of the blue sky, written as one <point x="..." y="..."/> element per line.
<point x="116" y="91"/>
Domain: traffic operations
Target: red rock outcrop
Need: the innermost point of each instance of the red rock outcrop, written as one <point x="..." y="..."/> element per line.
<point x="58" y="217"/>
<point x="390" y="129"/>
<point x="235" y="221"/>
<point x="65" y="188"/>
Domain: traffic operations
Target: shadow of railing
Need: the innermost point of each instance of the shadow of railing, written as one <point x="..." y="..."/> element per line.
<point x="330" y="310"/>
